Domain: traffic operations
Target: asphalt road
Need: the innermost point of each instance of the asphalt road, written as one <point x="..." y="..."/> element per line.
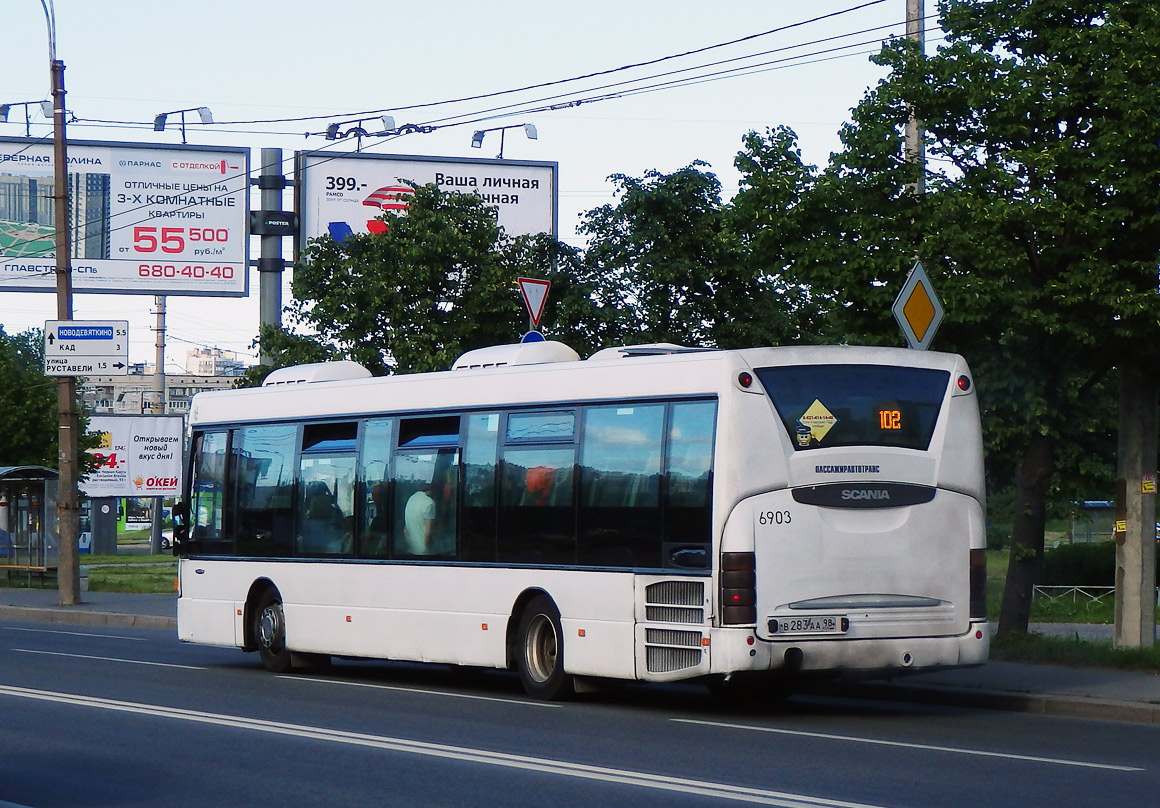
<point x="130" y="717"/>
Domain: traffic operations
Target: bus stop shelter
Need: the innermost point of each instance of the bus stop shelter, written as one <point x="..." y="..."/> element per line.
<point x="29" y="542"/>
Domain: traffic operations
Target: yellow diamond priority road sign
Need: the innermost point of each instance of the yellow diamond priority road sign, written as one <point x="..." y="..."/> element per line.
<point x="917" y="309"/>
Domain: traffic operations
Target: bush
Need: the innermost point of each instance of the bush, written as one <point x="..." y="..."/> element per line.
<point x="998" y="537"/>
<point x="1080" y="565"/>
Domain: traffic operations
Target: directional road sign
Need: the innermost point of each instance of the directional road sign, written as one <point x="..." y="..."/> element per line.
<point x="86" y="348"/>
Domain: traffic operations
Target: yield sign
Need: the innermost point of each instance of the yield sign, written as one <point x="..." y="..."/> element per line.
<point x="535" y="294"/>
<point x="917" y="309"/>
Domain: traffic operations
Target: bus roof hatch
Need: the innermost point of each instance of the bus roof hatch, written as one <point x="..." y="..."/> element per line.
<point x="520" y="353"/>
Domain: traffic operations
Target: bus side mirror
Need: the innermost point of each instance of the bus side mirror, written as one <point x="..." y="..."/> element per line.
<point x="180" y="514"/>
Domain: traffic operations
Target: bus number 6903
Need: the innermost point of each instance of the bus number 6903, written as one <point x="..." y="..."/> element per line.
<point x="773" y="518"/>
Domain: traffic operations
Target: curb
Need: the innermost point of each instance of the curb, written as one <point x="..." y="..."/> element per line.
<point x="1007" y="701"/>
<point x="79" y="616"/>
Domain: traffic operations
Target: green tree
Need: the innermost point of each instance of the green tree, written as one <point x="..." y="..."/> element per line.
<point x="28" y="402"/>
<point x="665" y="264"/>
<point x="439" y="281"/>
<point x="1039" y="224"/>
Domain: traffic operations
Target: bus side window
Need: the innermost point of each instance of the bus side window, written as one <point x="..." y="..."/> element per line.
<point x="375" y="484"/>
<point x="537" y="514"/>
<point x="477" y="525"/>
<point x="326" y="477"/>
<point x="620" y="470"/>
<point x="688" y="473"/>
<point x="207" y="494"/>
<point x="426" y="495"/>
<point x="263" y="503"/>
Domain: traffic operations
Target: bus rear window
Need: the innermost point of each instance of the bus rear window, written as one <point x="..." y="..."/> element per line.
<point x="856" y="405"/>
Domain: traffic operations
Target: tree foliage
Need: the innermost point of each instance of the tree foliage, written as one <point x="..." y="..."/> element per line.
<point x="1038" y="225"/>
<point x="28" y="402"/>
<point x="666" y="264"/>
<point x="439" y="281"/>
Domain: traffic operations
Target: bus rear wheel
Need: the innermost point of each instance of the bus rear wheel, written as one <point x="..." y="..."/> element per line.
<point x="270" y="632"/>
<point x="540" y="651"/>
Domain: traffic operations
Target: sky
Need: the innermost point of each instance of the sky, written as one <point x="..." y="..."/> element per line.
<point x="249" y="62"/>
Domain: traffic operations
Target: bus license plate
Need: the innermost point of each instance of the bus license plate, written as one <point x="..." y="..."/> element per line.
<point x="815" y="624"/>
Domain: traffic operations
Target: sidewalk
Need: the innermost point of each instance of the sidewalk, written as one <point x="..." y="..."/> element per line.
<point x="96" y="608"/>
<point x="1045" y="689"/>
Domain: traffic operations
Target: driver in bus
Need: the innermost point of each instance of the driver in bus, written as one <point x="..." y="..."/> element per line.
<point x="418" y="519"/>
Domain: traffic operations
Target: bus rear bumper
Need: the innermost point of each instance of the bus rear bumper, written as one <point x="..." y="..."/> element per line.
<point x="735" y="652"/>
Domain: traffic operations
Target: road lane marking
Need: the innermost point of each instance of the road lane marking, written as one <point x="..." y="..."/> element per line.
<point x="560" y="768"/>
<point x="919" y="746"/>
<point x="425" y="691"/>
<point x="110" y="659"/>
<point x="74" y="633"/>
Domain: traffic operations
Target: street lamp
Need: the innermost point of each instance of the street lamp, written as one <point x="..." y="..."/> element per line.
<point x="477" y="135"/>
<point x="45" y="110"/>
<point x="334" y="130"/>
<point x="202" y="112"/>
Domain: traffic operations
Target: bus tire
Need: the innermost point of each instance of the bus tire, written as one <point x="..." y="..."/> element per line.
<point x="270" y="632"/>
<point x="540" y="651"/>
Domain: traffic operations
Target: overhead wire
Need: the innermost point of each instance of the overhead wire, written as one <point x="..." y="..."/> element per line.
<point x="511" y="109"/>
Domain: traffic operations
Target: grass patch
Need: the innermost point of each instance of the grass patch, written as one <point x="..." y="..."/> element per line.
<point x="151" y="579"/>
<point x="159" y="558"/>
<point x="1041" y="649"/>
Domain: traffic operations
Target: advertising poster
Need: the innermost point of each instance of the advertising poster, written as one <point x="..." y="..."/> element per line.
<point x="139" y="456"/>
<point x="146" y="219"/>
<point x="338" y="195"/>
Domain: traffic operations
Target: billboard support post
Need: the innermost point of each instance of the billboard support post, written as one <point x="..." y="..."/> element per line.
<point x="270" y="264"/>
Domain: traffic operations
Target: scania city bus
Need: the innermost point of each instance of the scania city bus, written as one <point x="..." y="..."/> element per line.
<point x="656" y="513"/>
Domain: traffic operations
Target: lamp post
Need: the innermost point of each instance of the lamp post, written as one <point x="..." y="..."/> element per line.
<point x="477" y="135"/>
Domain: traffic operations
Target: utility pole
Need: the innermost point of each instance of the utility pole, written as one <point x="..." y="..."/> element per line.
<point x="1136" y="509"/>
<point x="158" y="409"/>
<point x="68" y="569"/>
<point x="915" y="151"/>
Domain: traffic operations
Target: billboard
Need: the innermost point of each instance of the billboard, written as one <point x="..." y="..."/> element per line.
<point x="341" y="194"/>
<point x="146" y="219"/>
<point x="138" y="456"/>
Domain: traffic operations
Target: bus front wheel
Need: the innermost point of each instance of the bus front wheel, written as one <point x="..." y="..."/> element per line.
<point x="540" y="651"/>
<point x="270" y="632"/>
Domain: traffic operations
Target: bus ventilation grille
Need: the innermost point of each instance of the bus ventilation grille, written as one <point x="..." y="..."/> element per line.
<point x="675" y="602"/>
<point x="671" y="650"/>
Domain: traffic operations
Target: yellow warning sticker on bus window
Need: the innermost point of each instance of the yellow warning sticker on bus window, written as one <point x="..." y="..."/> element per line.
<point x="818" y="420"/>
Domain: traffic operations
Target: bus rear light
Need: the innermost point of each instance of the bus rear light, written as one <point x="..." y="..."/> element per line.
<point x="964" y="383"/>
<point x="738" y="584"/>
<point x="738" y="579"/>
<point x="745" y="379"/>
<point x="978" y="565"/>
<point x="738" y="615"/>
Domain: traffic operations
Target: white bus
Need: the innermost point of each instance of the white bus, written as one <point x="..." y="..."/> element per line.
<point x="739" y="517"/>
